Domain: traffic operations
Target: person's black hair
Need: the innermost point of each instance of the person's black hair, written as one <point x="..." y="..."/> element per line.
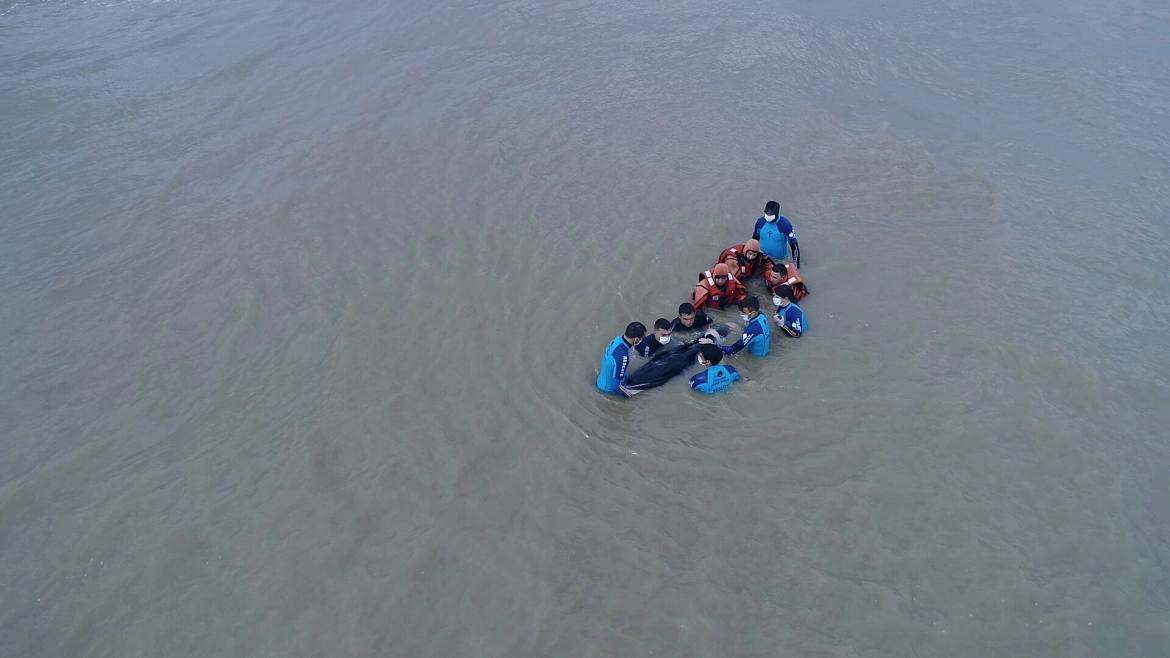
<point x="751" y="303"/>
<point x="784" y="291"/>
<point x="711" y="353"/>
<point x="635" y="330"/>
<point x="686" y="308"/>
<point x="772" y="208"/>
<point x="662" y="323"/>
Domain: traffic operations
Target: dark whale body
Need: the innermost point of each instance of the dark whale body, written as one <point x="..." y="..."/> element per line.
<point x="661" y="368"/>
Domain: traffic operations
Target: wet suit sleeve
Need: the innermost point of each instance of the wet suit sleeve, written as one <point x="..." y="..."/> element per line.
<point x="623" y="365"/>
<point x="792" y="243"/>
<point x="756" y="230"/>
<point x="749" y="333"/>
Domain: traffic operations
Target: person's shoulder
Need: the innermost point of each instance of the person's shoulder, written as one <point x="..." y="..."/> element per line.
<point x="731" y="370"/>
<point x="698" y="379"/>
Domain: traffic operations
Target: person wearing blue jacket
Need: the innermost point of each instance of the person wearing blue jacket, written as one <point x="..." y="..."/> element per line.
<point x="789" y="316"/>
<point x="715" y="377"/>
<point x="757" y="335"/>
<point x="615" y="362"/>
<point x="775" y="233"/>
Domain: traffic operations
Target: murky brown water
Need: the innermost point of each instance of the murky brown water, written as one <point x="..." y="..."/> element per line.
<point x="303" y="302"/>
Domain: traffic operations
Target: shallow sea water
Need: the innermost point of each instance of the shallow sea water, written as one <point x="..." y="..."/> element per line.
<point x="303" y="303"/>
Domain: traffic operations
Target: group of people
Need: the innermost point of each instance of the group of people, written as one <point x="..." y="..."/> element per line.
<point x="773" y="256"/>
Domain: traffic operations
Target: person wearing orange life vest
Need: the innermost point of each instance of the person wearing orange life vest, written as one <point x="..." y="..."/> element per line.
<point x="717" y="288"/>
<point x="745" y="261"/>
<point x="786" y="274"/>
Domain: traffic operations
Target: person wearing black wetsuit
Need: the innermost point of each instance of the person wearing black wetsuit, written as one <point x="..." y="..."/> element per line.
<point x="689" y="319"/>
<point x="657" y="341"/>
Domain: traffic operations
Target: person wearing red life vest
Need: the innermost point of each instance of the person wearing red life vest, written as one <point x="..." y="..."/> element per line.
<point x="717" y="288"/>
<point x="745" y="261"/>
<point x="787" y="274"/>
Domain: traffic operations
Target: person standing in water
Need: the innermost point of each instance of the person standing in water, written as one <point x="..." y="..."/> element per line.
<point x="789" y="316"/>
<point x="775" y="233"/>
<point x="615" y="362"/>
<point x="757" y="335"/>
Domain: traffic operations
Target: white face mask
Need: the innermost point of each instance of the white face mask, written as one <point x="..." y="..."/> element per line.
<point x="775" y="300"/>
<point x="663" y="339"/>
<point x="769" y="218"/>
<point x="745" y="317"/>
<point x="700" y="360"/>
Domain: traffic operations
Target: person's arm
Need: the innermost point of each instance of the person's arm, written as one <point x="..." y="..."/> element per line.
<point x="749" y="332"/>
<point x="756" y="230"/>
<point x="701" y="296"/>
<point x="792" y="242"/>
<point x="735" y="347"/>
<point x="738" y="292"/>
<point x="623" y="366"/>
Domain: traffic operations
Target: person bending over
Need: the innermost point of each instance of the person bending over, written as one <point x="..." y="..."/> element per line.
<point x="757" y="335"/>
